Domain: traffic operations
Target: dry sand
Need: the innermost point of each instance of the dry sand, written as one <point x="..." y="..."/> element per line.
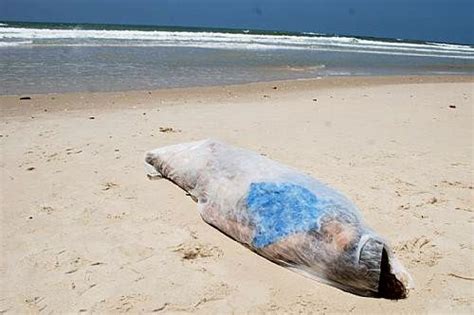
<point x="84" y="230"/>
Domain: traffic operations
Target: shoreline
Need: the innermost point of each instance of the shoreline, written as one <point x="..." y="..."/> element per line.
<point x="228" y="93"/>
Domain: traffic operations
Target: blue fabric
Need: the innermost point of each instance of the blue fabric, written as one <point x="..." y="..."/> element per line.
<point x="279" y="210"/>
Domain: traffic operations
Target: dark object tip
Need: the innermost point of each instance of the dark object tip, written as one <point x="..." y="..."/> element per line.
<point x="389" y="286"/>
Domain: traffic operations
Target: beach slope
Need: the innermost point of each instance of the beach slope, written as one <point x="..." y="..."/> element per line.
<point x="84" y="230"/>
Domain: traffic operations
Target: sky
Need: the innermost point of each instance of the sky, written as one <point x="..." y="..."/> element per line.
<point x="431" y="20"/>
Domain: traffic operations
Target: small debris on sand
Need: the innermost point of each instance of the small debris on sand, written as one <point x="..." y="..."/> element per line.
<point x="452" y="106"/>
<point x="109" y="185"/>
<point x="275" y="88"/>
<point x="47" y="209"/>
<point x="194" y="251"/>
<point x="31" y="168"/>
<point x="25" y="98"/>
<point x="91" y="117"/>
<point x="315" y="99"/>
<point x="71" y="271"/>
<point x="70" y="151"/>
<point x="169" y="129"/>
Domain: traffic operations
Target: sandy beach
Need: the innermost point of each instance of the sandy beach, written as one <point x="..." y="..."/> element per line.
<point x="83" y="229"/>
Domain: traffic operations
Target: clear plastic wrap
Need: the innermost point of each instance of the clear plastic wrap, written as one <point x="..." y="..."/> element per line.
<point x="283" y="215"/>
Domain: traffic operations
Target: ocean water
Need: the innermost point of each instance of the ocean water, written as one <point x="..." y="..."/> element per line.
<point x="48" y="58"/>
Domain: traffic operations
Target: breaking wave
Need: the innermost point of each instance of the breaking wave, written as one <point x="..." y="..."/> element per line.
<point x="23" y="36"/>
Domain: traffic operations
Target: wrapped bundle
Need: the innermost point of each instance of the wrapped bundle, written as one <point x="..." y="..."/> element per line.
<point x="283" y="215"/>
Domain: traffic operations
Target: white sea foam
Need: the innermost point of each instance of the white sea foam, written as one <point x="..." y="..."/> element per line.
<point x="80" y="37"/>
<point x="16" y="43"/>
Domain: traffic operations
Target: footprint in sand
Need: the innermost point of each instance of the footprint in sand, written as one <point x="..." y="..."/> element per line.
<point x="419" y="251"/>
<point x="122" y="304"/>
<point x="133" y="253"/>
<point x="214" y="292"/>
<point x="65" y="261"/>
<point x="455" y="184"/>
<point x="36" y="304"/>
<point x="193" y="250"/>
